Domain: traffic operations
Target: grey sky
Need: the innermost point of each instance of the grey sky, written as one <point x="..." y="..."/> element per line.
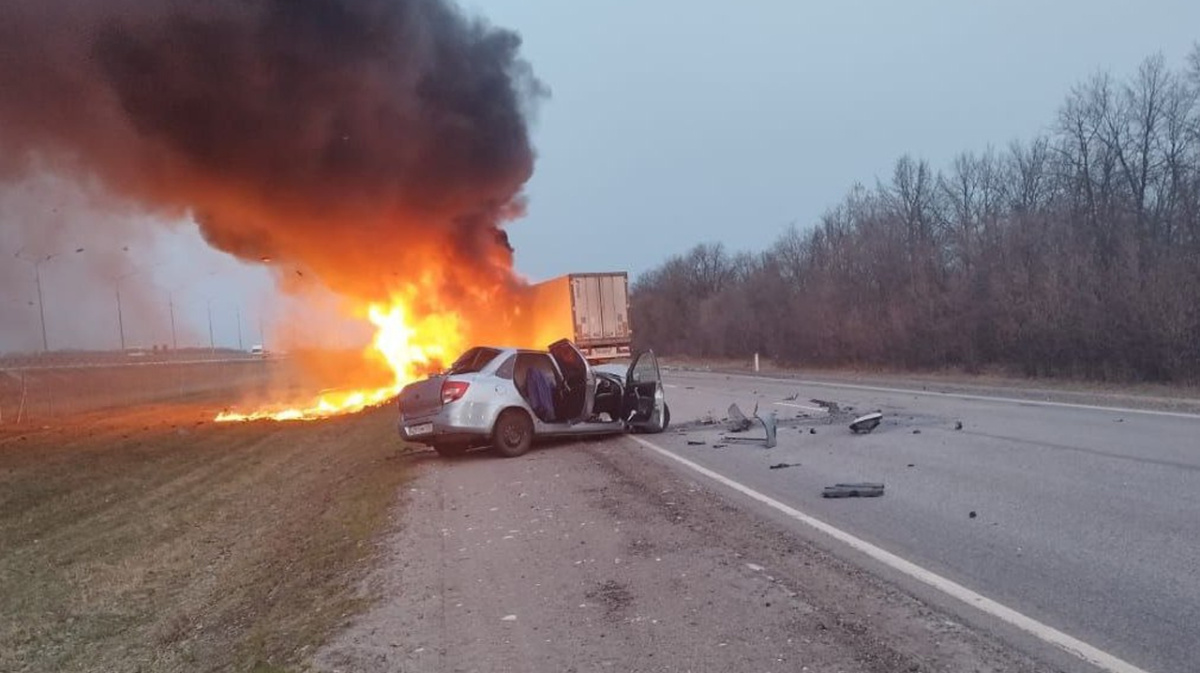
<point x="675" y="122"/>
<point x="672" y="123"/>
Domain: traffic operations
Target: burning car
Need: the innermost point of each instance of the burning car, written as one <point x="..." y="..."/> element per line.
<point x="509" y="397"/>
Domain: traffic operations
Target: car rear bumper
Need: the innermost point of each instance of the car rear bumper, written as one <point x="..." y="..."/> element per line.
<point x="457" y="422"/>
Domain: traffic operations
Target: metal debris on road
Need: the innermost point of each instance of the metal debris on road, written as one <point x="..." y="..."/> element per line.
<point x="737" y="420"/>
<point x="780" y="466"/>
<point x="864" y="490"/>
<point x="831" y="407"/>
<point x="792" y="398"/>
<point x="958" y="425"/>
<point x="769" y="425"/>
<point x="916" y="431"/>
<point x="972" y="514"/>
<point x="867" y="423"/>
<point x="695" y="442"/>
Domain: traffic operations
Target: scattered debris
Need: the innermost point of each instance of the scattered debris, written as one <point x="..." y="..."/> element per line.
<point x="865" y="490"/>
<point x="812" y="431"/>
<point x="781" y="466"/>
<point x="769" y="425"/>
<point x="831" y="407"/>
<point x="719" y="446"/>
<point x="911" y="465"/>
<point x="737" y="420"/>
<point x="509" y="618"/>
<point x="958" y="425"/>
<point x="696" y="442"/>
<point x="867" y="423"/>
<point x="1119" y="420"/>
<point x="972" y="514"/>
<point x="792" y="398"/>
<point x="916" y="431"/>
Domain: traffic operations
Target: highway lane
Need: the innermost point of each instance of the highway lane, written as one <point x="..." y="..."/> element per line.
<point x="1086" y="519"/>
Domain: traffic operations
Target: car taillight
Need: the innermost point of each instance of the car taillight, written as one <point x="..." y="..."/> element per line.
<point x="453" y="390"/>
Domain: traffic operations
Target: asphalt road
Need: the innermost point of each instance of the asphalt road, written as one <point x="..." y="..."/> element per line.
<point x="1086" y="519"/>
<point x="597" y="556"/>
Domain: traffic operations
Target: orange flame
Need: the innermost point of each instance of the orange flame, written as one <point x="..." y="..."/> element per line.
<point x="410" y="346"/>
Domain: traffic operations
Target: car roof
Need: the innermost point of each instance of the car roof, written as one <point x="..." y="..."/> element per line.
<point x="512" y="349"/>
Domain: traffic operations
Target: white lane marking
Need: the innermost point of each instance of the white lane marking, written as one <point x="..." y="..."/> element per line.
<point x="800" y="406"/>
<point x="968" y="396"/>
<point x="1046" y="633"/>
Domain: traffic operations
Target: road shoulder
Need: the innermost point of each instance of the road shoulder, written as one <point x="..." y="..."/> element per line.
<point x="593" y="555"/>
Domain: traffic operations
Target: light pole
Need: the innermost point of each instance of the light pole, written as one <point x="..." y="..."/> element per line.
<point x="238" y="311"/>
<point x="37" y="279"/>
<point x="120" y="313"/>
<point x="171" y="308"/>
<point x="212" y="345"/>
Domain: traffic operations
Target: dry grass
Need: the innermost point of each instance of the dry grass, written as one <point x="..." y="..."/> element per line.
<point x="157" y="542"/>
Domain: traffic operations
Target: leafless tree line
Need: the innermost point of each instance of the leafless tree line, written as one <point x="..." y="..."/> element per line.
<point x="1076" y="253"/>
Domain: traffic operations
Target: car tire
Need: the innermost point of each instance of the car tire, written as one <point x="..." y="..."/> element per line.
<point x="450" y="450"/>
<point x="513" y="433"/>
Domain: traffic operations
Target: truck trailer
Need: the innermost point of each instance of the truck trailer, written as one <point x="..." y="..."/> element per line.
<point x="590" y="309"/>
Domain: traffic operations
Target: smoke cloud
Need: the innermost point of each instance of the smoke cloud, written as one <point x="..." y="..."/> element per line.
<point x="368" y="143"/>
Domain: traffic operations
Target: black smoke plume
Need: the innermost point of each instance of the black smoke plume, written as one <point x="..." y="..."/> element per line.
<point x="368" y="143"/>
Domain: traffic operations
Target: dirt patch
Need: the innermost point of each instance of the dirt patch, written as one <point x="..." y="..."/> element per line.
<point x="155" y="540"/>
<point x="613" y="596"/>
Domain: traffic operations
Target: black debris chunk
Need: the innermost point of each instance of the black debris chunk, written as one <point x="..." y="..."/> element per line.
<point x="916" y="432"/>
<point x="695" y="442"/>
<point x="780" y="466"/>
<point x="958" y="425"/>
<point x="864" y="490"/>
<point x="912" y="465"/>
<point x="812" y="431"/>
<point x="972" y="514"/>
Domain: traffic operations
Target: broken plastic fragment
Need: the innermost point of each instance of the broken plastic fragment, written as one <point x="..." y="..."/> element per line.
<point x="867" y="423"/>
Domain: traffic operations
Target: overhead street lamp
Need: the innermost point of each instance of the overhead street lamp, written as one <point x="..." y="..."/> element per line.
<point x="37" y="263"/>
<point x="120" y="313"/>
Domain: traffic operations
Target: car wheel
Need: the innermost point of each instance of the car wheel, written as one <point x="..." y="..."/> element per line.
<point x="513" y="433"/>
<point x="450" y="450"/>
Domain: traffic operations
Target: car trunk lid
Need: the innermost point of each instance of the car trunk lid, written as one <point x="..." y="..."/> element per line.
<point x="422" y="398"/>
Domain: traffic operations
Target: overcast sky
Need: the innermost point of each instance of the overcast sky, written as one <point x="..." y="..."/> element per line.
<point x="672" y="123"/>
<point x="675" y="122"/>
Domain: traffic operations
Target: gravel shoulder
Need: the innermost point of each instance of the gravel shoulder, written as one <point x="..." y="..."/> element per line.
<point x="595" y="556"/>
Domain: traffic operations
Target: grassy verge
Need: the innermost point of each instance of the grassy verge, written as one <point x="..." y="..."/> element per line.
<point x="169" y="544"/>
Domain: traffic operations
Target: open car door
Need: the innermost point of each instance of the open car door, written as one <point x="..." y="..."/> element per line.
<point x="574" y="400"/>
<point x="645" y="402"/>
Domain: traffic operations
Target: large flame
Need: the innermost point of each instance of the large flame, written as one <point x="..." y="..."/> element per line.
<point x="410" y="346"/>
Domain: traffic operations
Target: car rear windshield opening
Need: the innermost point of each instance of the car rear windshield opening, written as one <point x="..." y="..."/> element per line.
<point x="473" y="360"/>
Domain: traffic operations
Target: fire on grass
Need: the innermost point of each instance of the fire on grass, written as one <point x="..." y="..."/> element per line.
<point x="411" y="346"/>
